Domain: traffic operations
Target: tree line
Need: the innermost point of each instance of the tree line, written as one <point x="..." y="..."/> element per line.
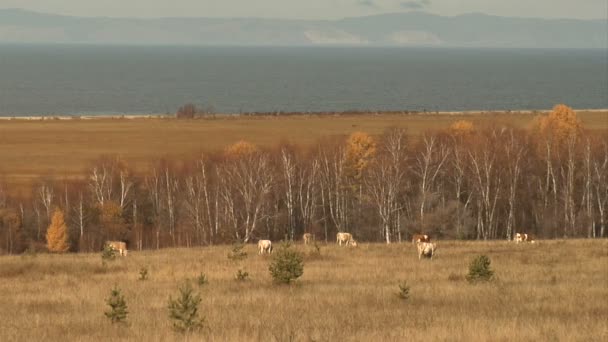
<point x="465" y="182"/>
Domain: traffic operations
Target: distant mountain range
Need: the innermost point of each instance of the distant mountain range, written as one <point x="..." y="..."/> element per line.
<point x="399" y="29"/>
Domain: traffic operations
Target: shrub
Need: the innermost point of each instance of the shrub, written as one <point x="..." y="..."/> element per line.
<point x="202" y="280"/>
<point x="241" y="275"/>
<point x="237" y="252"/>
<point x="143" y="273"/>
<point x="479" y="269"/>
<point x="404" y="291"/>
<point x="118" y="306"/>
<point x="108" y="253"/>
<point x="184" y="310"/>
<point x="286" y="265"/>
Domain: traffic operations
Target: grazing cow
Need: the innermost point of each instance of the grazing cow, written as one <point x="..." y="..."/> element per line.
<point x="420" y="238"/>
<point x="426" y="249"/>
<point x="308" y="238"/>
<point x="523" y="237"/>
<point x="264" y="246"/>
<point x="345" y="238"/>
<point x="119" y="246"/>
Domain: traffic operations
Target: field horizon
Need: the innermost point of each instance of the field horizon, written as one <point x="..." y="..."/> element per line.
<point x="63" y="147"/>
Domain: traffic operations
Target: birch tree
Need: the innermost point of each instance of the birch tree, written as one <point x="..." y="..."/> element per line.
<point x="429" y="162"/>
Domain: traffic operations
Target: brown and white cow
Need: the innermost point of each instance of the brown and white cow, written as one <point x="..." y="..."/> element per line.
<point x="308" y="238"/>
<point x="420" y="238"/>
<point x="426" y="249"/>
<point x="119" y="246"/>
<point x="346" y="238"/>
<point x="524" y="237"/>
<point x="264" y="246"/>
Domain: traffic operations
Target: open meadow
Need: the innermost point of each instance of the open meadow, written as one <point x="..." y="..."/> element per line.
<point x="551" y="291"/>
<point x="63" y="148"/>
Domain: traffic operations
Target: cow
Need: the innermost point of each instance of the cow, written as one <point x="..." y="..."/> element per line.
<point x="523" y="237"/>
<point x="118" y="246"/>
<point x="420" y="238"/>
<point x="308" y="238"/>
<point x="346" y="238"/>
<point x="426" y="249"/>
<point x="264" y="246"/>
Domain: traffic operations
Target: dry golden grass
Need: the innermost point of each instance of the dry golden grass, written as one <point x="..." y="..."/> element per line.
<point x="552" y="291"/>
<point x="63" y="148"/>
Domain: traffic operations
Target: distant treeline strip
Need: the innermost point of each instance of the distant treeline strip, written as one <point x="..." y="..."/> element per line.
<point x="465" y="182"/>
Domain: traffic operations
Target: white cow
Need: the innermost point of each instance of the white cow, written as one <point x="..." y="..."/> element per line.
<point x="346" y="238"/>
<point x="420" y="238"/>
<point x="264" y="246"/>
<point x="426" y="249"/>
<point x="119" y="246"/>
<point x="523" y="237"/>
<point x="308" y="238"/>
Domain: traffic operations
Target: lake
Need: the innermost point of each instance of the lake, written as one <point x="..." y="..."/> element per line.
<point x="88" y="79"/>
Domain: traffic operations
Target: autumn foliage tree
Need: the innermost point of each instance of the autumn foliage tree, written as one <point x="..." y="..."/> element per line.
<point x="462" y="128"/>
<point x="360" y="150"/>
<point x="240" y="149"/>
<point x="561" y="123"/>
<point x="57" y="234"/>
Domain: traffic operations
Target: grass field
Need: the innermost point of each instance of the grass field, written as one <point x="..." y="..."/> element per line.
<point x="552" y="291"/>
<point x="63" y="148"/>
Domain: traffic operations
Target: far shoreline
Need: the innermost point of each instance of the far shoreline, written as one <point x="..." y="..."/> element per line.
<point x="253" y="115"/>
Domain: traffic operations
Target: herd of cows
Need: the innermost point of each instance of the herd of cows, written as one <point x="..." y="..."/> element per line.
<point x="425" y="247"/>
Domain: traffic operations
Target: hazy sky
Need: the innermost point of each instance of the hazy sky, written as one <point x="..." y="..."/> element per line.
<point x="313" y="9"/>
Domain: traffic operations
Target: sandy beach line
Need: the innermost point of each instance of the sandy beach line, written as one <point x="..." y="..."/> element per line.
<point x="280" y="114"/>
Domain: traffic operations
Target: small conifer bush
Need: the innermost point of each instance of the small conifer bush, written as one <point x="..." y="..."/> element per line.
<point x="241" y="275"/>
<point x="479" y="270"/>
<point x="237" y="253"/>
<point x="108" y="253"/>
<point x="118" y="306"/>
<point x="404" y="291"/>
<point x="183" y="310"/>
<point x="143" y="273"/>
<point x="286" y="265"/>
<point x="202" y="280"/>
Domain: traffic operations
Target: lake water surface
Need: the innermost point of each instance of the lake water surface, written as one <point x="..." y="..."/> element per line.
<point x="80" y="79"/>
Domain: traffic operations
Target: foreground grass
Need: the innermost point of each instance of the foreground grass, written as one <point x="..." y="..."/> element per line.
<point x="556" y="290"/>
<point x="63" y="148"/>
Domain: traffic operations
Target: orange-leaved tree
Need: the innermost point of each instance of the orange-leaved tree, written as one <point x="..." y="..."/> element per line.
<point x="462" y="128"/>
<point x="240" y="149"/>
<point x="561" y="123"/>
<point x="57" y="234"/>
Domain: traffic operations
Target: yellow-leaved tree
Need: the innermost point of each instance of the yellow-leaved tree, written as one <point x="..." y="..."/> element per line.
<point x="462" y="128"/>
<point x="240" y="149"/>
<point x="360" y="150"/>
<point x="57" y="234"/>
<point x="561" y="123"/>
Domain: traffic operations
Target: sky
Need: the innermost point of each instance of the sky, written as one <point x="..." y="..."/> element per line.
<point x="313" y="9"/>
